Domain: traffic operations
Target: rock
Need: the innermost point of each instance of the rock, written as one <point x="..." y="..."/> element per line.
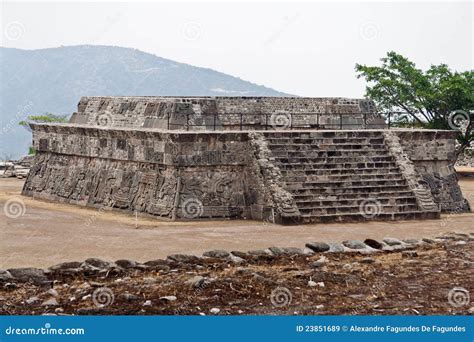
<point x="126" y="263"/>
<point x="219" y="254"/>
<point x="392" y="241"/>
<point x="354" y="244"/>
<point x="320" y="284"/>
<point x="411" y="241"/>
<point x="236" y="259"/>
<point x="196" y="281"/>
<point x="277" y="251"/>
<point x="34" y="275"/>
<point x="239" y="254"/>
<point x="157" y="262"/>
<point x="5" y="276"/>
<point x="147" y="303"/>
<point x="129" y="297"/>
<point x="50" y="302"/>
<point x="214" y="311"/>
<point x="52" y="292"/>
<point x="292" y="251"/>
<point x="99" y="263"/>
<point x="312" y="283"/>
<point x="409" y="254"/>
<point x="259" y="252"/>
<point x="428" y="240"/>
<point x="367" y="261"/>
<point x="318" y="247"/>
<point x="317" y="264"/>
<point x="32" y="300"/>
<point x="459" y="243"/>
<point x="335" y="248"/>
<point x="70" y="265"/>
<point x="59" y="310"/>
<point x="183" y="258"/>
<point x="168" y="298"/>
<point x="373" y="243"/>
<point x="308" y="251"/>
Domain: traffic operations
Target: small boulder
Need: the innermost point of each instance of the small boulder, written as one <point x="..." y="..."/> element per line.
<point x="240" y="254"/>
<point x="292" y="251"/>
<point x="335" y="248"/>
<point x="5" y="276"/>
<point x="392" y="241"/>
<point x="126" y="263"/>
<point x="183" y="258"/>
<point x="50" y="302"/>
<point x="318" y="247"/>
<point x="64" y="266"/>
<point x="217" y="253"/>
<point x="34" y="275"/>
<point x="373" y="243"/>
<point x="99" y="263"/>
<point x="168" y="298"/>
<point x="354" y="244"/>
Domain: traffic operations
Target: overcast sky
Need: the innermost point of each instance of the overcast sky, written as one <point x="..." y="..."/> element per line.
<point x="307" y="49"/>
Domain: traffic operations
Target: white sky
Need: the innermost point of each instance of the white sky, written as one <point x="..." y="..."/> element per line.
<point x="307" y="49"/>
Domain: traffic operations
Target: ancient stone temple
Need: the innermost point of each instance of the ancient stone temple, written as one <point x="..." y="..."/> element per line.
<point x="283" y="160"/>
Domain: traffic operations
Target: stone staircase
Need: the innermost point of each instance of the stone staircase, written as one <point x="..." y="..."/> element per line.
<point x="343" y="176"/>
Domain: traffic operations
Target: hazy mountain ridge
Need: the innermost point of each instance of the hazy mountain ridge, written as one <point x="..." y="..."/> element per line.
<point x="53" y="80"/>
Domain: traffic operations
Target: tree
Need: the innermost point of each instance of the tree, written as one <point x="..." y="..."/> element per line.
<point x="46" y="118"/>
<point x="437" y="98"/>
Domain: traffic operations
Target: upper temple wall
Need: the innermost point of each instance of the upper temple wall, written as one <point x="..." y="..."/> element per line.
<point x="221" y="112"/>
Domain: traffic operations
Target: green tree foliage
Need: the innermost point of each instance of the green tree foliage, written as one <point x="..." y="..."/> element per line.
<point x="46" y="118"/>
<point x="436" y="98"/>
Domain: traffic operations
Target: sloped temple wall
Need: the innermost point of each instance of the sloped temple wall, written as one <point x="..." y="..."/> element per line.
<point x="194" y="175"/>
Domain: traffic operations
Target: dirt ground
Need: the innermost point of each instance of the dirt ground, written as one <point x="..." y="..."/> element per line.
<point x="434" y="278"/>
<point x="46" y="233"/>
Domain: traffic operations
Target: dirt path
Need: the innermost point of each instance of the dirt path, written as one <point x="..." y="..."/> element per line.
<point x="49" y="233"/>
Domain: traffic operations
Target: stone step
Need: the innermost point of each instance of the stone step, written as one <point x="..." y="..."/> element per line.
<point x="344" y="209"/>
<point x="362" y="190"/>
<point x="351" y="217"/>
<point x="303" y="178"/>
<point x="328" y="154"/>
<point x="309" y="159"/>
<point x="348" y="165"/>
<point x="338" y="171"/>
<point x="353" y="196"/>
<point x="326" y="147"/>
<point x="343" y="184"/>
<point x="318" y="203"/>
<point x="323" y="135"/>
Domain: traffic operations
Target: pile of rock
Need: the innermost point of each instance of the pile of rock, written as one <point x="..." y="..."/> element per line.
<point x="95" y="266"/>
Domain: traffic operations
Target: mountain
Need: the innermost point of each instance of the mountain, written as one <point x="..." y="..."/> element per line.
<point x="53" y="80"/>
